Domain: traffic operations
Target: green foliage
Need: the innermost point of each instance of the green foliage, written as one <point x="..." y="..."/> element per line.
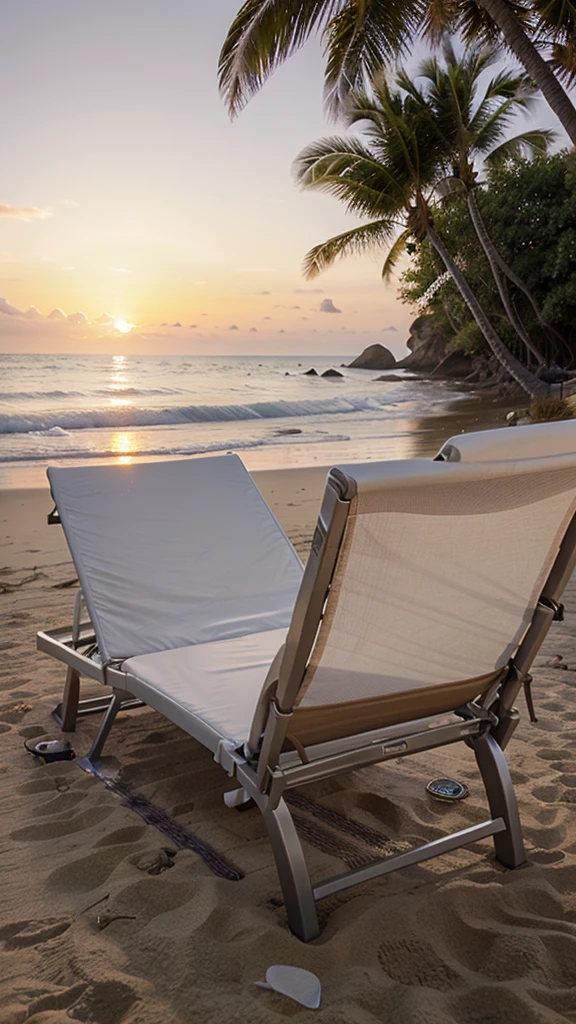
<point x="469" y="339"/>
<point x="530" y="212"/>
<point x="550" y="407"/>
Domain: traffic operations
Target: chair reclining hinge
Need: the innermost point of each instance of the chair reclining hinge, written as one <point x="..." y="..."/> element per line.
<point x="54" y="517"/>
<point x="556" y="606"/>
<point x="471" y="711"/>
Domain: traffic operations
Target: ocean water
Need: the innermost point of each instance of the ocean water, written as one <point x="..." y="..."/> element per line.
<point x="61" y="409"/>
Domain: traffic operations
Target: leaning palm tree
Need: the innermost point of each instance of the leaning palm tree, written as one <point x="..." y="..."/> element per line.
<point x="473" y="128"/>
<point x="390" y="177"/>
<point x="362" y="35"/>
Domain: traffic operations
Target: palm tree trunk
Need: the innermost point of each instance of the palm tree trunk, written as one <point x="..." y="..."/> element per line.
<point x="539" y="71"/>
<point x="555" y="339"/>
<point x="527" y="381"/>
<point x="496" y="261"/>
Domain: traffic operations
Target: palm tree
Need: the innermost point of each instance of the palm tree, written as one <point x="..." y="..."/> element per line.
<point x="391" y="178"/>
<point x="470" y="129"/>
<point x="362" y="35"/>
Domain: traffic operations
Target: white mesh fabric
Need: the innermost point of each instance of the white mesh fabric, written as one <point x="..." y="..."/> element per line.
<point x="438" y="575"/>
<point x="175" y="553"/>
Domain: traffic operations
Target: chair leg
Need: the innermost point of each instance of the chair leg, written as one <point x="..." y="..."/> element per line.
<point x="70" y="700"/>
<point x="105" y="726"/>
<point x="501" y="798"/>
<point x="292" y="872"/>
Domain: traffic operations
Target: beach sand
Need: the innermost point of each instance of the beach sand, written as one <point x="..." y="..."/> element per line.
<point x="458" y="939"/>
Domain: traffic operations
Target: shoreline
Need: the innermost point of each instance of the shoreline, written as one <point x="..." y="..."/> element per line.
<point x="406" y="437"/>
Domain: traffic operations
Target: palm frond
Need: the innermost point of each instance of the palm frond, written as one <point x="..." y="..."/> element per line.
<point x="449" y="186"/>
<point x="564" y="61"/>
<point x="360" y="39"/>
<point x="531" y="144"/>
<point x="394" y="254"/>
<point x="364" y="238"/>
<point x="263" y="34"/>
<point x="348" y="170"/>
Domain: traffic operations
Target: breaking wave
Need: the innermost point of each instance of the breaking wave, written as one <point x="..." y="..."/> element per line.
<point x="90" y="419"/>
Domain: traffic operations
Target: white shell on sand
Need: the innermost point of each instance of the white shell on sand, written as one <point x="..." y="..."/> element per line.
<point x="294" y="982"/>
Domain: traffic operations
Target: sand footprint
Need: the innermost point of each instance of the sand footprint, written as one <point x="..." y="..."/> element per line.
<point x="412" y="962"/>
<point x="62" y="826"/>
<point x="88" y="873"/>
<point x="32" y="932"/>
<point x="547" y="794"/>
<point x="130" y="834"/>
<point x="107" y="1002"/>
<point x="547" y="856"/>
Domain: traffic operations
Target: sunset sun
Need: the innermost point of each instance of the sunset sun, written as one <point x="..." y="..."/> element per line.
<point x="123" y="326"/>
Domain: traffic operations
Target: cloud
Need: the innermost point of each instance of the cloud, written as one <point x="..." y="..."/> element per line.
<point x="295" y="307"/>
<point x="267" y="317"/>
<point x="193" y="325"/>
<point x="105" y="318"/>
<point x="78" y="318"/>
<point x="8" y="309"/>
<point x="391" y="328"/>
<point x="23" y="212"/>
<point x="33" y="313"/>
<point x="57" y="314"/>
<point x="327" y="306"/>
<point x="233" y="327"/>
<point x="177" y="324"/>
<point x="281" y="331"/>
<point x="254" y="330"/>
<point x="308" y="291"/>
<point x="120" y="270"/>
<point x="262" y="293"/>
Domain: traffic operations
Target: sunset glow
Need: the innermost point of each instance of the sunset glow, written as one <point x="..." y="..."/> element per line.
<point x="123" y="326"/>
<point x="132" y="239"/>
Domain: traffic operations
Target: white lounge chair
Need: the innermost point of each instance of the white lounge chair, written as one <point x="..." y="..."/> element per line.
<point x="428" y="591"/>
<point x="528" y="442"/>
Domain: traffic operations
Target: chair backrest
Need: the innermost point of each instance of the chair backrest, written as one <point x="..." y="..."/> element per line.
<point x="438" y="575"/>
<point x="175" y="553"/>
<point x="529" y="442"/>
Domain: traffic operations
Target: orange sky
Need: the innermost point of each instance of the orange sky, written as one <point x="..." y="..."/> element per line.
<point x="126" y="190"/>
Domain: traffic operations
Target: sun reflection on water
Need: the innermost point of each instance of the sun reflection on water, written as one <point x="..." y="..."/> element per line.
<point x="124" y="446"/>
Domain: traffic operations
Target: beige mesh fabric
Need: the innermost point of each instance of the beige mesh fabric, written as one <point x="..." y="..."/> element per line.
<point x="440" y="569"/>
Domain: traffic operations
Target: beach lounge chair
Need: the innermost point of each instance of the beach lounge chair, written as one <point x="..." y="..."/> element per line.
<point x="428" y="591"/>
<point x="527" y="442"/>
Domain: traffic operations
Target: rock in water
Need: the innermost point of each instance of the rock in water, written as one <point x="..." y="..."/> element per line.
<point x="332" y="373"/>
<point x="311" y="372"/>
<point x="427" y="344"/>
<point x="375" y="357"/>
